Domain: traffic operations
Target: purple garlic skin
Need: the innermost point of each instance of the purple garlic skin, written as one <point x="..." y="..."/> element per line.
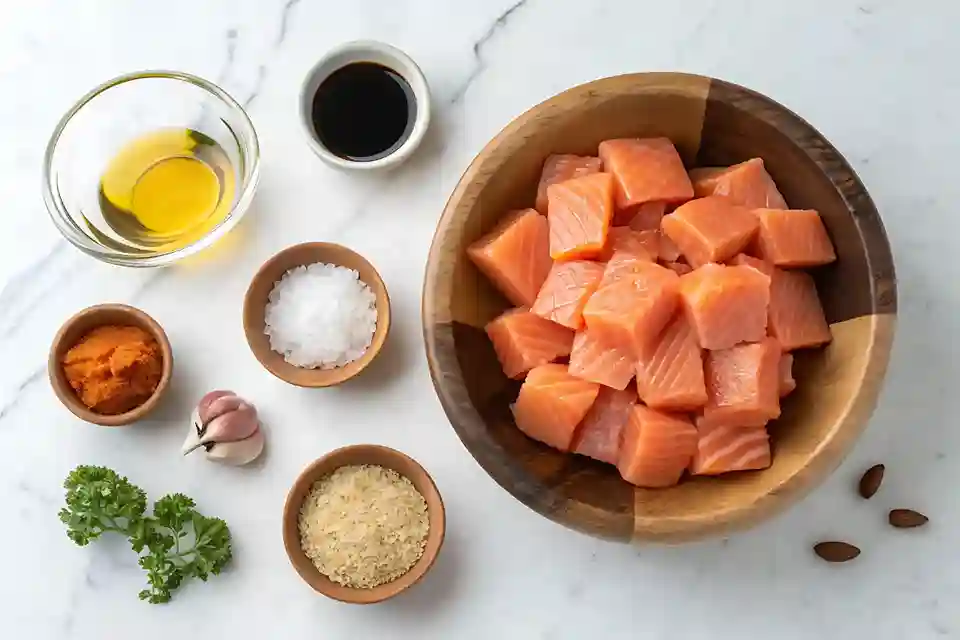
<point x="227" y="427"/>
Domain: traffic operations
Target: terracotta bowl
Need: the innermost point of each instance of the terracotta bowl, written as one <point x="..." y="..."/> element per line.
<point x="73" y="331"/>
<point x="258" y="293"/>
<point x="712" y="123"/>
<point x="357" y="455"/>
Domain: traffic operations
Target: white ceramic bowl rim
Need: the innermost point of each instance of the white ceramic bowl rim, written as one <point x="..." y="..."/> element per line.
<point x="366" y="51"/>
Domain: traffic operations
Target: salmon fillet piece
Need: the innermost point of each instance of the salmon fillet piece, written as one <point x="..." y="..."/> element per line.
<point x="595" y="358"/>
<point x="657" y="447"/>
<point x="726" y="305"/>
<point x="742" y="259"/>
<point x="645" y="169"/>
<point x="642" y="217"/>
<point x="787" y="382"/>
<point x="743" y="385"/>
<point x="598" y="436"/>
<point x="793" y="238"/>
<point x="552" y="403"/>
<point x="561" y="167"/>
<point x="730" y="448"/>
<point x="523" y="341"/>
<point x="515" y="255"/>
<point x="710" y="229"/>
<point x="633" y="310"/>
<point x="670" y="369"/>
<point x="796" y="318"/>
<point x="642" y="244"/>
<point x="579" y="212"/>
<point x="565" y="291"/>
<point x="624" y="265"/>
<point x="747" y="184"/>
<point x="669" y="251"/>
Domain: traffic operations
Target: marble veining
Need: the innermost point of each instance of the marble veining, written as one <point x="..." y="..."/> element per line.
<point x="874" y="77"/>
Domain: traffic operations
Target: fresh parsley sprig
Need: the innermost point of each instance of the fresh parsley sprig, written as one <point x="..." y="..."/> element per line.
<point x="176" y="543"/>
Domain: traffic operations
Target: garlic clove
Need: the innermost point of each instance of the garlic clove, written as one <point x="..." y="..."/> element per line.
<point x="204" y="405"/>
<point x="193" y="435"/>
<point x="220" y="406"/>
<point x="238" y="452"/>
<point x="231" y="426"/>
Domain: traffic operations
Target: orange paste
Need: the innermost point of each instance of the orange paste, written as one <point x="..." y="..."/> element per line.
<point x="114" y="369"/>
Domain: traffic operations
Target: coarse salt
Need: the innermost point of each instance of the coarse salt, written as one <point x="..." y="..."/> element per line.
<point x="320" y="316"/>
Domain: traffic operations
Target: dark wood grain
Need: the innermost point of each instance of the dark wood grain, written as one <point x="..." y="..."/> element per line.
<point x="712" y="122"/>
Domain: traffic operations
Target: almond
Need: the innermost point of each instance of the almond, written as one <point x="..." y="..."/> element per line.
<point x="907" y="518"/>
<point x="836" y="551"/>
<point x="870" y="481"/>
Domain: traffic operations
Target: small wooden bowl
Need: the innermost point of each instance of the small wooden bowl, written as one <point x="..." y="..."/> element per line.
<point x="712" y="123"/>
<point x="358" y="455"/>
<point x="73" y="331"/>
<point x="255" y="302"/>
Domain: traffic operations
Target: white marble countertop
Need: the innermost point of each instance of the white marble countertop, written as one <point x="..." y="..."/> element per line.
<point x="878" y="78"/>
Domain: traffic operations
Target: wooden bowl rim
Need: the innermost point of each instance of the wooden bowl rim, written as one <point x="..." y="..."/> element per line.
<point x="378" y="455"/>
<point x="328" y="252"/>
<point x="450" y="387"/>
<point x="64" y="391"/>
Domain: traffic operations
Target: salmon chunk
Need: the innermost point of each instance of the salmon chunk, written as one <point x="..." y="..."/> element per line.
<point x="743" y="385"/>
<point x="643" y="217"/>
<point x="565" y="291"/>
<point x="793" y="238"/>
<point x="642" y="244"/>
<point x="787" y="382"/>
<point x="515" y="255"/>
<point x="710" y="229"/>
<point x="646" y="170"/>
<point x="670" y="369"/>
<point x="579" y="212"/>
<point x="747" y="184"/>
<point x="561" y="167"/>
<point x="796" y="318"/>
<point x="669" y="251"/>
<point x="598" y="436"/>
<point x="749" y="261"/>
<point x="657" y="447"/>
<point x="552" y="403"/>
<point x="726" y="305"/>
<point x="730" y="448"/>
<point x="633" y="310"/>
<point x="595" y="358"/>
<point x="523" y="341"/>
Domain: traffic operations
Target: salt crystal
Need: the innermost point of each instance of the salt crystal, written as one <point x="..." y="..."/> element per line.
<point x="320" y="316"/>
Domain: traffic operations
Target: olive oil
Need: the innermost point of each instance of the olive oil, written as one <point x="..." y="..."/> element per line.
<point x="167" y="188"/>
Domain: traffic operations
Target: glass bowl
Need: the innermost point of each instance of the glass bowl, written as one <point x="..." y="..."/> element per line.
<point x="113" y="115"/>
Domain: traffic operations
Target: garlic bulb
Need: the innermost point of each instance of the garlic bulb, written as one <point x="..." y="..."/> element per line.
<point x="227" y="427"/>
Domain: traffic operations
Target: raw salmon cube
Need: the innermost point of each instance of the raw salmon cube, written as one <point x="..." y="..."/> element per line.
<point x="523" y="341"/>
<point x="623" y="265"/>
<point x="747" y="184"/>
<point x="726" y="305"/>
<point x="552" y="403"/>
<point x="749" y="261"/>
<point x="565" y="291"/>
<point x="787" y="383"/>
<point x="743" y="385"/>
<point x="730" y="448"/>
<point x="579" y="212"/>
<point x="595" y="358"/>
<point x="642" y="244"/>
<point x="643" y="217"/>
<point x="515" y="255"/>
<point x="598" y="436"/>
<point x="680" y="268"/>
<point x="793" y="238"/>
<point x="560" y="167"/>
<point x="796" y="318"/>
<point x="710" y="229"/>
<point x="657" y="447"/>
<point x="645" y="170"/>
<point x="670" y="369"/>
<point x="669" y="251"/>
<point x="633" y="310"/>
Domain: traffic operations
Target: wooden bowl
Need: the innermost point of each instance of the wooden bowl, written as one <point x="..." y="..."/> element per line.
<point x="712" y="123"/>
<point x="74" y="329"/>
<point x="255" y="303"/>
<point x="357" y="455"/>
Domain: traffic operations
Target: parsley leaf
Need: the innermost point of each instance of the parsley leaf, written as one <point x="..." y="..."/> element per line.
<point x="98" y="500"/>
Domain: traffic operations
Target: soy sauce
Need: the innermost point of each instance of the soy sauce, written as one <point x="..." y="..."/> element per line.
<point x="363" y="111"/>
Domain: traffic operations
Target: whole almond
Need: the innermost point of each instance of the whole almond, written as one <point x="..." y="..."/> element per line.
<point x="836" y="551"/>
<point x="907" y="518"/>
<point x="870" y="481"/>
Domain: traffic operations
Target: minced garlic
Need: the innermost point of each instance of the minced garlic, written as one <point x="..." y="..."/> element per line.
<point x="363" y="526"/>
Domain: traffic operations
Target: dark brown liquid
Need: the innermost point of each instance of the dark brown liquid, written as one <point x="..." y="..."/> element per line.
<point x="363" y="111"/>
